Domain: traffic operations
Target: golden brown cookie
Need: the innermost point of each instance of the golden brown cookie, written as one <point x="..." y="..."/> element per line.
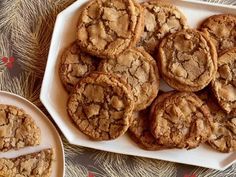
<point x="139" y="131"/>
<point x="222" y="30"/>
<point x="223" y="137"/>
<point x="160" y="20"/>
<point x="187" y="60"/>
<point x="74" y="65"/>
<point x="224" y="83"/>
<point x="17" y="129"/>
<point x="107" y="27"/>
<point x="37" y="164"/>
<point x="137" y="68"/>
<point x="101" y="106"/>
<point x="181" y="121"/>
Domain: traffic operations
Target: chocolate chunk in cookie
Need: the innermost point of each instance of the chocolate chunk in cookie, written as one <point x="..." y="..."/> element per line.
<point x="160" y="20"/>
<point x="101" y="106"/>
<point x="187" y="60"/>
<point x="181" y="121"/>
<point x="37" y="164"/>
<point x="222" y="30"/>
<point x="223" y="137"/>
<point x="137" y="68"/>
<point x="17" y="129"/>
<point x="224" y="83"/>
<point x="74" y="65"/>
<point x="108" y="27"/>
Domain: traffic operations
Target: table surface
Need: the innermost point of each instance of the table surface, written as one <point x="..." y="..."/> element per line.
<point x="25" y="31"/>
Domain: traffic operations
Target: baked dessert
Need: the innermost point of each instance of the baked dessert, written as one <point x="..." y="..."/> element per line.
<point x="182" y="121"/>
<point x="223" y="137"/>
<point x="74" y="65"/>
<point x="222" y="30"/>
<point x="101" y="106"/>
<point x="139" y="131"/>
<point x="107" y="27"/>
<point x="160" y="20"/>
<point x="224" y="83"/>
<point x="187" y="60"/>
<point x="137" y="68"/>
<point x="17" y="129"/>
<point x="37" y="164"/>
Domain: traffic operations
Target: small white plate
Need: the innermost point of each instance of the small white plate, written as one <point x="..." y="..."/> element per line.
<point x="54" y="96"/>
<point x="49" y="135"/>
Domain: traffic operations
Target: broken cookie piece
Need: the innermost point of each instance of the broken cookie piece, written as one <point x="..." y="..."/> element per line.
<point x="101" y="106"/>
<point x="17" y="129"/>
<point x="37" y="164"/>
<point x="181" y="120"/>
<point x="137" y="68"/>
<point x="160" y="20"/>
<point x="107" y="27"/>
<point x="187" y="60"/>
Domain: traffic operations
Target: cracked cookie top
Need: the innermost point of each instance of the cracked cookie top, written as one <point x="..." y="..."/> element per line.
<point x="75" y="64"/>
<point x="181" y="121"/>
<point x="17" y="129"/>
<point x="36" y="164"/>
<point x="223" y="137"/>
<point x="224" y="83"/>
<point x="137" y="68"/>
<point x="108" y="27"/>
<point x="160" y="19"/>
<point x="187" y="60"/>
<point x="139" y="131"/>
<point x="222" y="30"/>
<point x="101" y="106"/>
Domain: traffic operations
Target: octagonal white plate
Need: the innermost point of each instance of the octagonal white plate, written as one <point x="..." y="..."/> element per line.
<point x="54" y="97"/>
<point x="49" y="135"/>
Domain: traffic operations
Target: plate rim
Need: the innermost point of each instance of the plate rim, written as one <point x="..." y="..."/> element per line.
<point x="46" y="119"/>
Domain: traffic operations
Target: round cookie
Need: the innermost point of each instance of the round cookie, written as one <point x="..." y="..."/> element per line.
<point x="160" y="20"/>
<point x="224" y="83"/>
<point x="74" y="65"/>
<point x="222" y="30"/>
<point x="223" y="137"/>
<point x="139" y="131"/>
<point x="181" y="121"/>
<point x="107" y="27"/>
<point x="137" y="68"/>
<point x="101" y="106"/>
<point x="187" y="60"/>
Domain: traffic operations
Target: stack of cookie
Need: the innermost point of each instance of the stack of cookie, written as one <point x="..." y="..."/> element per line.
<point x="111" y="73"/>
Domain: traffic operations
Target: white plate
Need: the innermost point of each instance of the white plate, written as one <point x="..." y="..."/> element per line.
<point x="54" y="96"/>
<point x="49" y="135"/>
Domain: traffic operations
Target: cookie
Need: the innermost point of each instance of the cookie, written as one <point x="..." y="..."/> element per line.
<point x="224" y="83"/>
<point x="107" y="27"/>
<point x="36" y="164"/>
<point x="139" y="70"/>
<point x="139" y="131"/>
<point x="159" y="99"/>
<point x="187" y="60"/>
<point x="101" y="106"/>
<point x="222" y="30"/>
<point x="223" y="137"/>
<point x="181" y="121"/>
<point x="160" y="20"/>
<point x="17" y="129"/>
<point x="74" y="65"/>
